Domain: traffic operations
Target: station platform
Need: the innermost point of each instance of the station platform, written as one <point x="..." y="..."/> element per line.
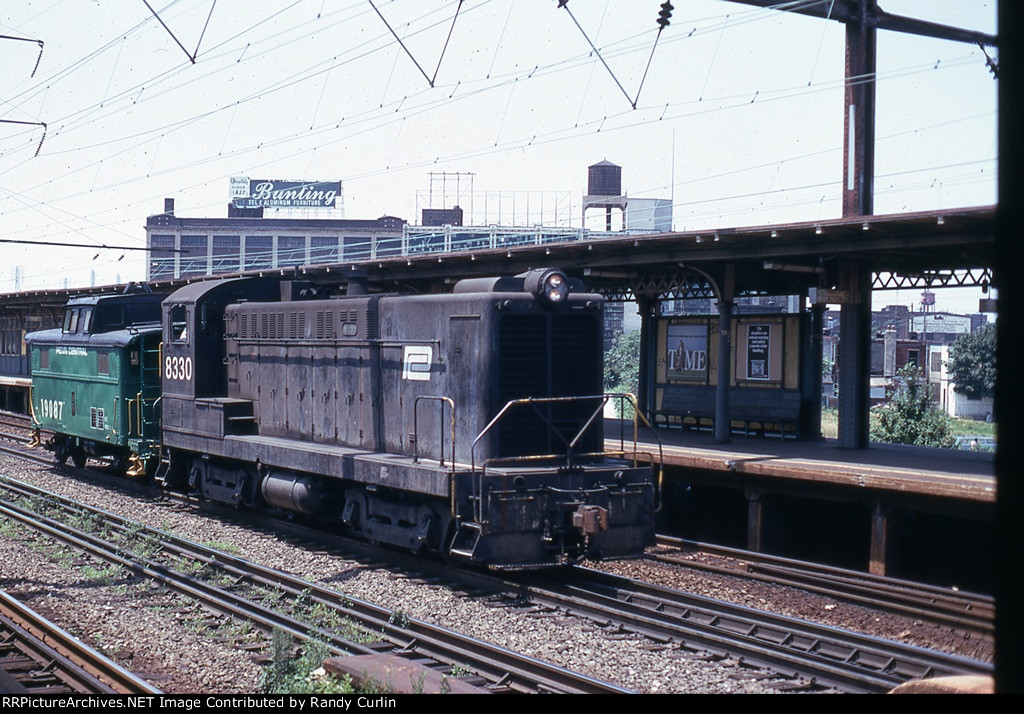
<point x="14" y="391"/>
<point x="951" y="473"/>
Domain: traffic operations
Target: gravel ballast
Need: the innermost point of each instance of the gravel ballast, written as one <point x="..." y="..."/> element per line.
<point x="158" y="636"/>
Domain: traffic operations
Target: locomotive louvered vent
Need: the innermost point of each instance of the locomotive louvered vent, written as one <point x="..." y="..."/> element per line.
<point x="548" y="356"/>
<point x="372" y="322"/>
<point x="321" y="324"/>
<point x="296" y="325"/>
<point x="243" y="326"/>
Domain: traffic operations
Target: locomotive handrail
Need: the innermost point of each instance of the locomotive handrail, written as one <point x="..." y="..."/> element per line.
<point x="131" y="403"/>
<point x="637" y="413"/>
<point x="570" y="443"/>
<point x="32" y="408"/>
<point x="37" y="438"/>
<point x="415" y="427"/>
<point x="138" y="414"/>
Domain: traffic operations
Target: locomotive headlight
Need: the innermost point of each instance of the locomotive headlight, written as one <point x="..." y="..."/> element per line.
<point x="551" y="286"/>
<point x="556" y="289"/>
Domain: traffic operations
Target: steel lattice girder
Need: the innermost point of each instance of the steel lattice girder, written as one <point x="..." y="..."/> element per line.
<point x="964" y="278"/>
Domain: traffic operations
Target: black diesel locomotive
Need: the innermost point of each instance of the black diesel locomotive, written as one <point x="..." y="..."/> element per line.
<point x="463" y="424"/>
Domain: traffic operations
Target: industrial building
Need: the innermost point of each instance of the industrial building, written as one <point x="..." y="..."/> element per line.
<point x="183" y="247"/>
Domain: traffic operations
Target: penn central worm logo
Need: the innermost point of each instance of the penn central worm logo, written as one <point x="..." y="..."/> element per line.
<point x="416" y="361"/>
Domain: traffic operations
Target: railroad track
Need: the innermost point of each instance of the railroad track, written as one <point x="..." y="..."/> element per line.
<point x="963" y="611"/>
<point x="39" y="658"/>
<point x="292" y="600"/>
<point x="819" y="655"/>
<point x="802" y="654"/>
<point x="15" y="427"/>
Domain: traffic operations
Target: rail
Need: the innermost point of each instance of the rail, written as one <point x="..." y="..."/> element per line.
<point x="43" y="659"/>
<point x="232" y="586"/>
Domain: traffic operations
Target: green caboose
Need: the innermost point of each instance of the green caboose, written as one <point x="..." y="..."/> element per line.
<point x="96" y="381"/>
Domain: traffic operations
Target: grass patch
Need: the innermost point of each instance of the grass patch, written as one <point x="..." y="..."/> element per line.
<point x="104" y="575"/>
<point x="223" y="547"/>
<point x="11" y="529"/>
<point x="973" y="427"/>
<point x="961" y="427"/>
<point x="302" y="674"/>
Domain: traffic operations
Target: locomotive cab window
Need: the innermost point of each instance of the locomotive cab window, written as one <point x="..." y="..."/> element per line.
<point x="179" y="323"/>
<point x="210" y="321"/>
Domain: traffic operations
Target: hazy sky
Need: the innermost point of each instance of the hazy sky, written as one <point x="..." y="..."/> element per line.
<point x="739" y="119"/>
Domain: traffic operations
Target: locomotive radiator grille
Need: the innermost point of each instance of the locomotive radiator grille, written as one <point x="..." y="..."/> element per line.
<point x="547" y="356"/>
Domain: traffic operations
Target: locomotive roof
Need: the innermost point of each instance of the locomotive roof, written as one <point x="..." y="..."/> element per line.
<point x="193" y="292"/>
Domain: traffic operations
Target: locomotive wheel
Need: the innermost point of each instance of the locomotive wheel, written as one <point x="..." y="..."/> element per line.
<point x="78" y="458"/>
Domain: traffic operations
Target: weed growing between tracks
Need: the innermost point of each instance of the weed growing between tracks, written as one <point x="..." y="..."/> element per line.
<point x="292" y="672"/>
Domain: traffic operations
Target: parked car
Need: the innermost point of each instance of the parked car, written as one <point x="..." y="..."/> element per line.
<point x="975" y="443"/>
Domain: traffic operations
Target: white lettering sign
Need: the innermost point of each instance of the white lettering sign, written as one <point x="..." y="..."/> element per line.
<point x="178" y="368"/>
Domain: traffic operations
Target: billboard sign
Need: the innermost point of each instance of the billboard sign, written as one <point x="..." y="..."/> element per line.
<point x="273" y="193"/>
<point x="687" y="351"/>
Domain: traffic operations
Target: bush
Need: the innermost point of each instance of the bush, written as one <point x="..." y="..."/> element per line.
<point x="622" y="369"/>
<point x="910" y="417"/>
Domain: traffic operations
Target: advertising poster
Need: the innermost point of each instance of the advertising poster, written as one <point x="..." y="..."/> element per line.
<point x="687" y="356"/>
<point x="758" y="350"/>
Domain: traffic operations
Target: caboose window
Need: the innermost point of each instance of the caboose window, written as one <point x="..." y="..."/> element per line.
<point x="71" y="320"/>
<point x="179" y="324"/>
<point x="85" y="319"/>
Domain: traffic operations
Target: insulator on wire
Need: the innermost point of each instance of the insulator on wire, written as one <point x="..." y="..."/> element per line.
<point x="665" y="15"/>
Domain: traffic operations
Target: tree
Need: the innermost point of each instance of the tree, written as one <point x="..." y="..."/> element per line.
<point x="910" y="417"/>
<point x="972" y="363"/>
<point x="622" y="363"/>
<point x="622" y="366"/>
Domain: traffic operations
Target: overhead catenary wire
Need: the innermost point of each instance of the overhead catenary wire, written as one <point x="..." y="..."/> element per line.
<point x="483" y="151"/>
<point x="39" y="57"/>
<point x="298" y="142"/>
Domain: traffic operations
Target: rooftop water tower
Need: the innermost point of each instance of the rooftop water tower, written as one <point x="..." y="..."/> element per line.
<point x="604" y="190"/>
